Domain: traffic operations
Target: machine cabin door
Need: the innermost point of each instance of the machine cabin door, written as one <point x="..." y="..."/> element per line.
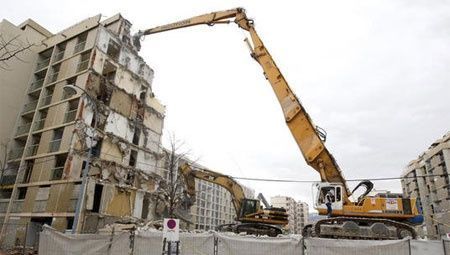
<point x="329" y="192"/>
<point x="249" y="206"/>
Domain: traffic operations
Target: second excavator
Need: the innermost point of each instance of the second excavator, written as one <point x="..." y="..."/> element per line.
<point x="252" y="218"/>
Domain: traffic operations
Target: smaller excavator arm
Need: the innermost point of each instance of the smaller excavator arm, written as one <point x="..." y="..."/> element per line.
<point x="236" y="191"/>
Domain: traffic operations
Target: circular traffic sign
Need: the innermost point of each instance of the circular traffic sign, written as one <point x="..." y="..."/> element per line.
<point x="171" y="224"/>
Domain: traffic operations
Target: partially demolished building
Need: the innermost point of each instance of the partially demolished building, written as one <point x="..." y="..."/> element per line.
<point x="89" y="102"/>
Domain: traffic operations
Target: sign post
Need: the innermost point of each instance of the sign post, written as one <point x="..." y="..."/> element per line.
<point x="171" y="236"/>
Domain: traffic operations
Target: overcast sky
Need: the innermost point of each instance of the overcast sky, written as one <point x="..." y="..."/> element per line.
<point x="374" y="74"/>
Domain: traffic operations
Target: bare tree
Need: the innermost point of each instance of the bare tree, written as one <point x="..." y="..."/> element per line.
<point x="171" y="192"/>
<point x="12" y="49"/>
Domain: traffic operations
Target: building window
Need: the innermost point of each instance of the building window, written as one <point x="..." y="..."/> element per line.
<point x="133" y="158"/>
<point x="81" y="43"/>
<point x="58" y="170"/>
<point x="55" y="73"/>
<point x="61" y="48"/>
<point x="72" y="109"/>
<point x="84" y="61"/>
<point x="113" y="50"/>
<point x="136" y="136"/>
<point x="56" y="142"/>
<point x="22" y="192"/>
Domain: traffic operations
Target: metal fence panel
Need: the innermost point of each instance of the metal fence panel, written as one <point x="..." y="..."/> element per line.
<point x="419" y="247"/>
<point x="322" y="246"/>
<point x="249" y="245"/>
<point x="52" y="242"/>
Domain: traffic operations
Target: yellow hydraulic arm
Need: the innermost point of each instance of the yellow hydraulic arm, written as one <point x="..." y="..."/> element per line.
<point x="236" y="191"/>
<point x="301" y="126"/>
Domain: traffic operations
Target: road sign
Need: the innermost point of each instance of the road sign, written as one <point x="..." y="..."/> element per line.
<point x="171" y="230"/>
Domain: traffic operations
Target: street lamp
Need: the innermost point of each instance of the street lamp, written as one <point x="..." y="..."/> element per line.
<point x="81" y="195"/>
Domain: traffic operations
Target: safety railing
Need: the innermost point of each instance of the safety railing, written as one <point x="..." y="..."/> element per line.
<point x="39" y="124"/>
<point x="46" y="100"/>
<point x="36" y="85"/>
<point x="70" y="116"/>
<point x="32" y="150"/>
<point x="54" y="145"/>
<point x="83" y="65"/>
<point x="23" y="129"/>
<point x="43" y="63"/>
<point x="15" y="153"/>
<point x="79" y="47"/>
<point x="58" y="56"/>
<point x="30" y="106"/>
<point x="53" y="77"/>
<point x="57" y="173"/>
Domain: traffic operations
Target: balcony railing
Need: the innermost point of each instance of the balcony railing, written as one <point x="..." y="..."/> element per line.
<point x="23" y="129"/>
<point x="43" y="63"/>
<point x="30" y="106"/>
<point x="58" y="56"/>
<point x="8" y="179"/>
<point x="79" y="47"/>
<point x="54" y="145"/>
<point x="32" y="150"/>
<point x="83" y="65"/>
<point x="39" y="124"/>
<point x="46" y="100"/>
<point x="57" y="173"/>
<point x="53" y="77"/>
<point x="70" y="116"/>
<point x="36" y="85"/>
<point x="15" y="153"/>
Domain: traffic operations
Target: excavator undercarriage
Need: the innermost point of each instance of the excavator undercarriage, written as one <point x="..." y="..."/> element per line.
<point x="359" y="228"/>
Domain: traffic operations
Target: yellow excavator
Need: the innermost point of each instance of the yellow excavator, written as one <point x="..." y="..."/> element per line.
<point x="367" y="217"/>
<point x="252" y="217"/>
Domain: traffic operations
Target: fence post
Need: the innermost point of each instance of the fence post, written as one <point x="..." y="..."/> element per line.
<point x="25" y="239"/>
<point x="216" y="245"/>
<point x="409" y="246"/>
<point x="445" y="248"/>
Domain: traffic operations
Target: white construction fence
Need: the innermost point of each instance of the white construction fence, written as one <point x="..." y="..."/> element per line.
<point x="52" y="242"/>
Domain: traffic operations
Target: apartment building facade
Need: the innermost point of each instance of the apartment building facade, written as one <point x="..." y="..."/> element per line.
<point x="13" y="83"/>
<point x="89" y="106"/>
<point x="427" y="179"/>
<point x="298" y="212"/>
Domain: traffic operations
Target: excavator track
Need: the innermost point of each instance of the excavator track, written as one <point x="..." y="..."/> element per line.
<point x="359" y="228"/>
<point x="257" y="229"/>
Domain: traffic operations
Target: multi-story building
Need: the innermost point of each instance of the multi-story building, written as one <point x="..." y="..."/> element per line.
<point x="427" y="179"/>
<point x="27" y="35"/>
<point x="298" y="212"/>
<point x="89" y="106"/>
<point x="214" y="206"/>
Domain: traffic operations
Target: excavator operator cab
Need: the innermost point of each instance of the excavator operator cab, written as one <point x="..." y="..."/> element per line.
<point x="249" y="206"/>
<point x="328" y="192"/>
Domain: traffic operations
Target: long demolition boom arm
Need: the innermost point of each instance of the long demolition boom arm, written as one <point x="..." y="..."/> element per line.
<point x="297" y="119"/>
<point x="236" y="191"/>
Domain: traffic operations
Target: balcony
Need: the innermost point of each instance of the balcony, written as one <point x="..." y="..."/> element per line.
<point x="46" y="100"/>
<point x="8" y="180"/>
<point x="53" y="77"/>
<point x="83" y="65"/>
<point x="23" y="129"/>
<point x="57" y="173"/>
<point x="36" y="85"/>
<point x="54" y="145"/>
<point x="79" y="47"/>
<point x="32" y="150"/>
<point x="30" y="106"/>
<point x="58" y="56"/>
<point x="15" y="153"/>
<point x="43" y="63"/>
<point x="39" y="124"/>
<point x="70" y="116"/>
